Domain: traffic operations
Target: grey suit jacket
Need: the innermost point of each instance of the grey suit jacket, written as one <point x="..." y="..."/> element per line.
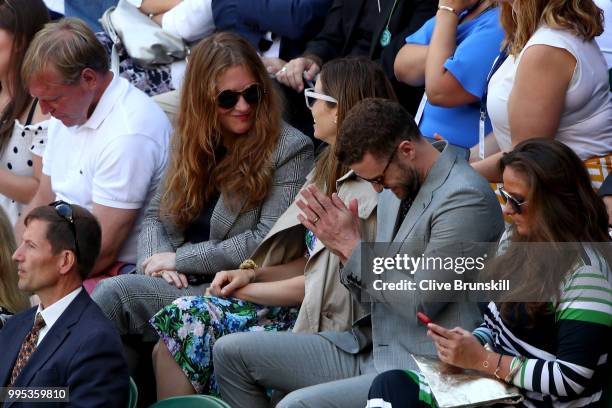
<point x="234" y="235"/>
<point x="454" y="204"/>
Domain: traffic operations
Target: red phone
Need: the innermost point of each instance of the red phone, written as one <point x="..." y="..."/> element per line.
<point x="423" y="318"/>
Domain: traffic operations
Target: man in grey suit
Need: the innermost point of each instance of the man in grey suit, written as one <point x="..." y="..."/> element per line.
<point x="436" y="199"/>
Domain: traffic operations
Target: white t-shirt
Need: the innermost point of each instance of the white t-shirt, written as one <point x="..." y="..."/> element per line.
<point x="55" y="5"/>
<point x="190" y="19"/>
<point x="605" y="40"/>
<point x="115" y="159"/>
<point x="586" y="121"/>
<point x="25" y="142"/>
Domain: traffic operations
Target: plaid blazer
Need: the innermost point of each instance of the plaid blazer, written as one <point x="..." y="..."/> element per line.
<point x="234" y="235"/>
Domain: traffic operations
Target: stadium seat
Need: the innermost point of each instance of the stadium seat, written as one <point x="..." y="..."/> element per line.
<point x="192" y="401"/>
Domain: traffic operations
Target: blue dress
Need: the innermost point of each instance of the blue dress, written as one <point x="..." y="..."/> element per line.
<point x="478" y="44"/>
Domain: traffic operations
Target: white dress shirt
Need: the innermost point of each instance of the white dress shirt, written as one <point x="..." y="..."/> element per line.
<point x="53" y="312"/>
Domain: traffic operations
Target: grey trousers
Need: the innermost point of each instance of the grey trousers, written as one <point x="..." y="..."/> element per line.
<point x="129" y="301"/>
<point x="308" y="368"/>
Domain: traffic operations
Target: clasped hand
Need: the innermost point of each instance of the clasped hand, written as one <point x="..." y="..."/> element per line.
<point x="226" y="283"/>
<point x="163" y="265"/>
<point x="332" y="222"/>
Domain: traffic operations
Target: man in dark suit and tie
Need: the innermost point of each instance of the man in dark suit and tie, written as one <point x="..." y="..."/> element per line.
<point x="66" y="341"/>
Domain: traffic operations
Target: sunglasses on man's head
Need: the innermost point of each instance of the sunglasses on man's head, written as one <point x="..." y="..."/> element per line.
<point x="228" y="98"/>
<point x="64" y="210"/>
<point x="515" y="203"/>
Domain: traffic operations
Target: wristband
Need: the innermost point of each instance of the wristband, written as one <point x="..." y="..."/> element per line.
<point x="515" y="368"/>
<point x="248" y="264"/>
<point x="447" y="8"/>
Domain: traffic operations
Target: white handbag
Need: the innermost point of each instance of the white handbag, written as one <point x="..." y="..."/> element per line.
<point x="144" y="40"/>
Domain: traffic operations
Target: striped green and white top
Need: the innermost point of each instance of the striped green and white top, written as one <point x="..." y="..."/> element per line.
<point x="567" y="350"/>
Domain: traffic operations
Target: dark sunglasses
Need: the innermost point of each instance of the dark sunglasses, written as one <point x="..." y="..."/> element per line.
<point x="381" y="179"/>
<point x="252" y="95"/>
<point x="515" y="203"/>
<point x="64" y="210"/>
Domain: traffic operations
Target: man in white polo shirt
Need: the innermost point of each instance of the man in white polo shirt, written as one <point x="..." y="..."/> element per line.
<point x="108" y="141"/>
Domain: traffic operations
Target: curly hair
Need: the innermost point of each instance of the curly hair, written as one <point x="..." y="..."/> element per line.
<point x="523" y="17"/>
<point x="244" y="175"/>
<point x="374" y="126"/>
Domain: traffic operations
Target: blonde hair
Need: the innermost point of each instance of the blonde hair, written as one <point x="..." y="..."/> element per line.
<point x="348" y="80"/>
<point x="11" y="298"/>
<point x="521" y="19"/>
<point x="244" y="174"/>
<point x="69" y="46"/>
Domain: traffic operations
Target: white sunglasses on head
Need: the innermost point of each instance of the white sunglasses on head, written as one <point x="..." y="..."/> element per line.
<point x="310" y="95"/>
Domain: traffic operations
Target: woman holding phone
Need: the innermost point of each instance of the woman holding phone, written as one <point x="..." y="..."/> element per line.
<point x="554" y="351"/>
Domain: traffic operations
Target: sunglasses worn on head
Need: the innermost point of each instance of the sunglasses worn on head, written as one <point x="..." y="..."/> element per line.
<point x="515" y="203"/>
<point x="64" y="210"/>
<point x="381" y="179"/>
<point x="228" y="98"/>
<point x="311" y="97"/>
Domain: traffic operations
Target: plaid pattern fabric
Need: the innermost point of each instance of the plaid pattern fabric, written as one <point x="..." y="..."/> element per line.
<point x="27" y="348"/>
<point x="234" y="235"/>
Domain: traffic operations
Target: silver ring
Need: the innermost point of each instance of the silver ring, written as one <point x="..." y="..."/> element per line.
<point x="316" y="220"/>
<point x="284" y="69"/>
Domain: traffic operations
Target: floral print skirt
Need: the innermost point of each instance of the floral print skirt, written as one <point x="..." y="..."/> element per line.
<point x="190" y="326"/>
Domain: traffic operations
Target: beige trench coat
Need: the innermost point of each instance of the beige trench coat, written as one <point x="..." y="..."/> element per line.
<point x="327" y="304"/>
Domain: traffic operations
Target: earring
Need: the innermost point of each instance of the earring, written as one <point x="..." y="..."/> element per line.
<point x="335" y="121"/>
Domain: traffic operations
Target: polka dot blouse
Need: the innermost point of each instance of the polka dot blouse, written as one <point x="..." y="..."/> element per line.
<point x="25" y="142"/>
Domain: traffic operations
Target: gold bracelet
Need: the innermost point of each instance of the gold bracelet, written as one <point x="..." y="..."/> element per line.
<point x="248" y="264"/>
<point x="496" y="372"/>
<point x="447" y="8"/>
<point x="514" y="369"/>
